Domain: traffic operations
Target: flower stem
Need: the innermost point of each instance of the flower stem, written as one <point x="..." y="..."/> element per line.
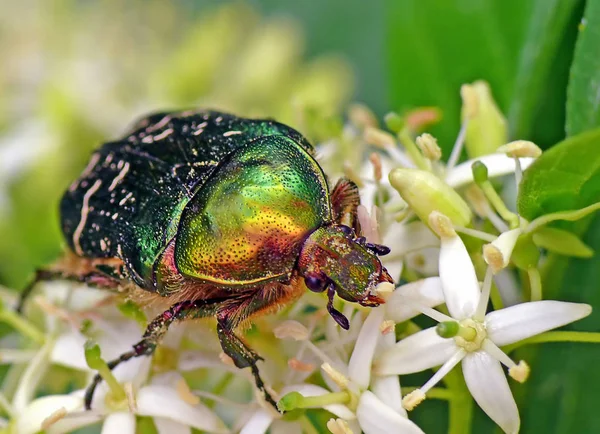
<point x="413" y="151"/>
<point x="558" y="336"/>
<point x="23" y="326"/>
<point x="496" y="201"/>
<point x="535" y="284"/>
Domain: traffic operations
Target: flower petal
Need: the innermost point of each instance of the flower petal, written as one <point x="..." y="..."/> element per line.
<point x="30" y="420"/>
<point x="403" y="238"/>
<point x="405" y="301"/>
<point x="375" y="417"/>
<point x="497" y="164"/>
<point x="459" y="281"/>
<point x="487" y="383"/>
<point x="521" y="321"/>
<point x="387" y="389"/>
<point x="168" y="426"/>
<point x="122" y="422"/>
<point x="32" y="376"/>
<point x="161" y="401"/>
<point x="258" y="423"/>
<point x="418" y="352"/>
<point x="359" y="366"/>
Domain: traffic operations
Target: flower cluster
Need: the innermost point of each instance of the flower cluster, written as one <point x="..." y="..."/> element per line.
<point x="455" y="245"/>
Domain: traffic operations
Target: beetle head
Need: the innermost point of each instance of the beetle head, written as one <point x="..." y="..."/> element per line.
<point x="333" y="259"/>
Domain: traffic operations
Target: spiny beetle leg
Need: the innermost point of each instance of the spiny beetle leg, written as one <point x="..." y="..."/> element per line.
<point x="242" y="356"/>
<point x="95" y="279"/>
<point x="155" y="332"/>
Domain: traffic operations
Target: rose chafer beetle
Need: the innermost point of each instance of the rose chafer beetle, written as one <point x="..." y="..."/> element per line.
<point x="221" y="217"/>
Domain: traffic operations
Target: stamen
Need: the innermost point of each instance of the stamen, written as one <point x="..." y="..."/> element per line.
<point x="493" y="350"/>
<point x="337" y="377"/>
<point x="441" y="225"/>
<point x="429" y="146"/>
<point x="441" y="373"/>
<point x="338" y="426"/>
<point x="184" y="392"/>
<point x="414" y="398"/>
<point x="131" y="401"/>
<point x="387" y="326"/>
<point x="300" y="366"/>
<point x="458" y="146"/>
<point x="485" y="296"/>
<point x="520" y="372"/>
<point x="53" y="418"/>
<point x="361" y="116"/>
<point x="433" y="314"/>
<point x="291" y="330"/>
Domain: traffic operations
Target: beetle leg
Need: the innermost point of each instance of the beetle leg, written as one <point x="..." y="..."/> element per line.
<point x="155" y="332"/>
<point x="242" y="356"/>
<point x="345" y="201"/>
<point x="94" y="278"/>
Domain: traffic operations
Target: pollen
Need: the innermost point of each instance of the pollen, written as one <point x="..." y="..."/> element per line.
<point x="413" y="399"/>
<point x="387" y="326"/>
<point x="441" y="225"/>
<point x="520" y="149"/>
<point x="520" y="372"/>
<point x="338" y="426"/>
<point x="493" y="257"/>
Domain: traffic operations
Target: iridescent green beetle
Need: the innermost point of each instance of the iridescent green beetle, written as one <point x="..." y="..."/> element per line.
<point x="221" y="216"/>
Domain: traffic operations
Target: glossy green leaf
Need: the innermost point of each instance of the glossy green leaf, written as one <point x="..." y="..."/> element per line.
<point x="561" y="394"/>
<point x="548" y="23"/>
<point x="566" y="177"/>
<point x="563" y="242"/>
<point x="522" y="48"/>
<point x="583" y="94"/>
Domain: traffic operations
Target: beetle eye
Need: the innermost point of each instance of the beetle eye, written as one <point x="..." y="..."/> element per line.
<point x="347" y="230"/>
<point x="314" y="283"/>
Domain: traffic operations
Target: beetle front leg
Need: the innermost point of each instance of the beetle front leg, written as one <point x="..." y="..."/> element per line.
<point x="154" y="334"/>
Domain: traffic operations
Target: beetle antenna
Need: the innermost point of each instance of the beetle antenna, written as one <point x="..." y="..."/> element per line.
<point x="336" y="314"/>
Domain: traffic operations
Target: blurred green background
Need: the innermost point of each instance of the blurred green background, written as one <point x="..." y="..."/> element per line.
<point x="75" y="73"/>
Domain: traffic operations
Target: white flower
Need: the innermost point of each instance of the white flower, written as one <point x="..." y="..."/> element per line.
<point x="375" y="406"/>
<point x="478" y="339"/>
<point x="172" y="410"/>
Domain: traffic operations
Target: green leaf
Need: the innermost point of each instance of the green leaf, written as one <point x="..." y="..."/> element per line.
<point x="561" y="395"/>
<point x="435" y="46"/>
<point x="562" y="242"/>
<point x="549" y="20"/>
<point x="566" y="177"/>
<point x="583" y="93"/>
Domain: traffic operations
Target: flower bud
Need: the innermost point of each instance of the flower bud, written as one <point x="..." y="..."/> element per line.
<point x="425" y="193"/>
<point x="394" y="122"/>
<point x="480" y="172"/>
<point x="486" y="129"/>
